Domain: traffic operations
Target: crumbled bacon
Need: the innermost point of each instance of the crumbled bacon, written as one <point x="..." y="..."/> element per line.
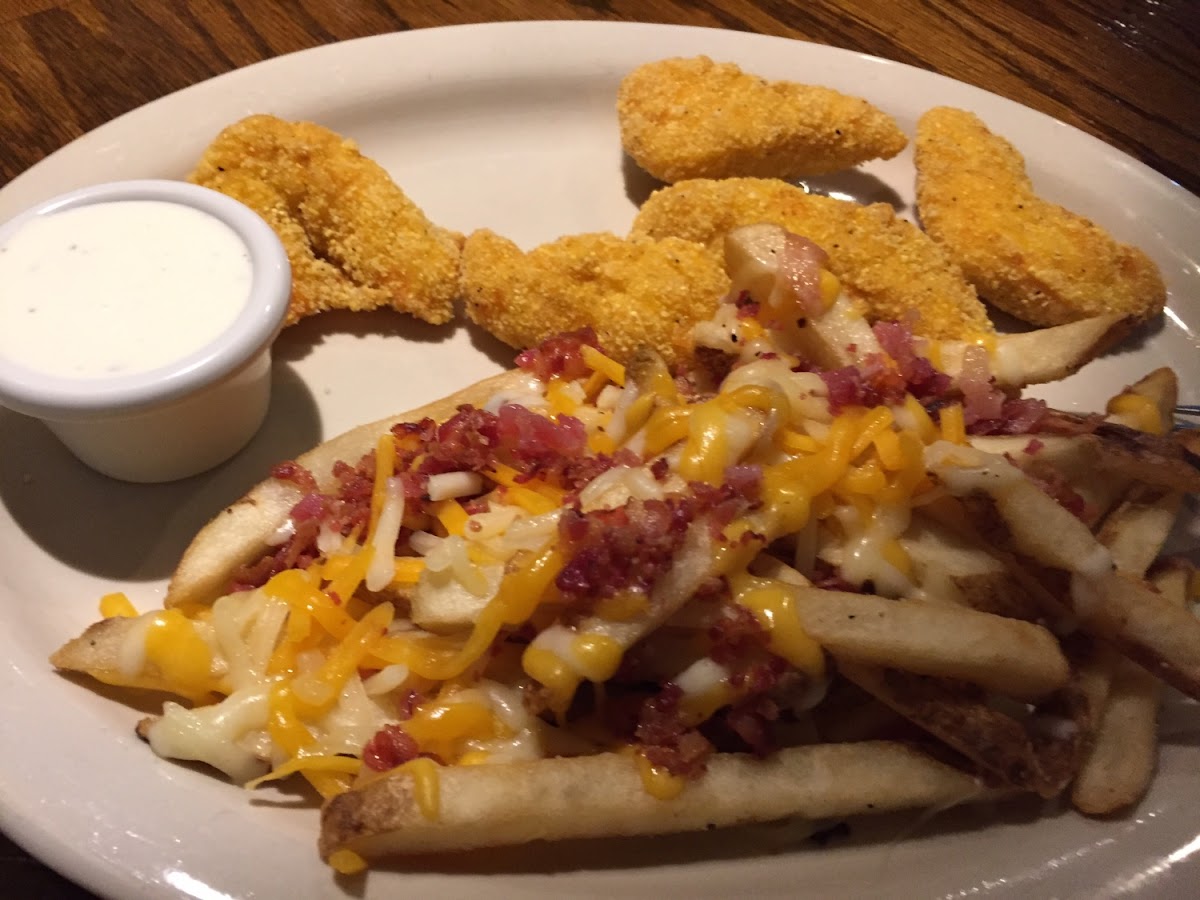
<point x="390" y="746"/>
<point x="466" y="442"/>
<point x="297" y="474"/>
<point x="665" y="739"/>
<point x="537" y="440"/>
<point x="1016" y="417"/>
<point x="1055" y="485"/>
<point x="1034" y="446"/>
<point x="739" y="492"/>
<point x="752" y="720"/>
<point x="297" y="552"/>
<point x="736" y="635"/>
<point x="800" y="266"/>
<point x="560" y="355"/>
<point x="626" y="548"/>
<point x="748" y="307"/>
<point x="407" y="704"/>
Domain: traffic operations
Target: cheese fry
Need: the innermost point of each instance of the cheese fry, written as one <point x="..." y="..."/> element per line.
<point x="1009" y="656"/>
<point x="602" y="795"/>
<point x="1120" y="759"/>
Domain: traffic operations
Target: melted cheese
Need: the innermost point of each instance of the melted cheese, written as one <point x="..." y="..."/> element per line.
<point x="211" y="734"/>
<point x="773" y="605"/>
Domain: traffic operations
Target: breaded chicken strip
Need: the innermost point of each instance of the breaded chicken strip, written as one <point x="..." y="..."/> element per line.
<point x="1033" y="259"/>
<point x="886" y="262"/>
<point x="355" y="241"/>
<point x="632" y="292"/>
<point x="693" y="118"/>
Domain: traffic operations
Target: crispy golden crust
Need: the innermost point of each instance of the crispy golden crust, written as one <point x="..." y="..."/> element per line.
<point x="634" y="293"/>
<point x="885" y="261"/>
<point x="693" y="118"/>
<point x="1033" y="259"/>
<point x="355" y="241"/>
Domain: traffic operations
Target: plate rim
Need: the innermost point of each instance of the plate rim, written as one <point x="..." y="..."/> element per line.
<point x="37" y="837"/>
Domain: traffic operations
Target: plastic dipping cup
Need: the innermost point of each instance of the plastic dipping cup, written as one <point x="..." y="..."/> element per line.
<point x="136" y="321"/>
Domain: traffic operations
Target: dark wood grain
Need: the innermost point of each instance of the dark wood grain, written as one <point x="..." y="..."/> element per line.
<point x="1127" y="71"/>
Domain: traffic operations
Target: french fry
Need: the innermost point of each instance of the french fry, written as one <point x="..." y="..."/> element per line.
<point x="951" y="566"/>
<point x="1160" y="392"/>
<point x="243" y="532"/>
<point x="1005" y="655"/>
<point x="97" y="652"/>
<point x="1120" y="759"/>
<point x="603" y="795"/>
<point x="1044" y="354"/>
<point x="1109" y="604"/>
<point x="1137" y="529"/>
<point x="1040" y="754"/>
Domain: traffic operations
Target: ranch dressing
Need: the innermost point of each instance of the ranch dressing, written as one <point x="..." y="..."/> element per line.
<point x="118" y="288"/>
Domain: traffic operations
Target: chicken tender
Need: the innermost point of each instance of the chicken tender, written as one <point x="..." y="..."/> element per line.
<point x="887" y="263"/>
<point x="634" y="293"/>
<point x="354" y="240"/>
<point x="1032" y="259"/>
<point x="693" y="118"/>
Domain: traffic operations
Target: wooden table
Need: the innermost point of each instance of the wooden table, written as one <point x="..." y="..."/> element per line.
<point x="1123" y="70"/>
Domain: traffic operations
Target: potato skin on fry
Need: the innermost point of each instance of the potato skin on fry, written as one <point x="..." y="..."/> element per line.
<point x="603" y="796"/>
<point x="1035" y="260"/>
<point x="634" y="293"/>
<point x="354" y="240"/>
<point x="889" y="264"/>
<point x="694" y="118"/>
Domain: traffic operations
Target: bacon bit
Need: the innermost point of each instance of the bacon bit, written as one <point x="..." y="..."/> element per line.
<point x="800" y="266"/>
<point x="747" y="308"/>
<point x="752" y="720"/>
<point x="390" y="746"/>
<point x="531" y="438"/>
<point x="1054" y="485"/>
<point x="739" y="492"/>
<point x="466" y="442"/>
<point x="660" y="468"/>
<point x="666" y="741"/>
<point x="921" y="378"/>
<point x="1016" y="417"/>
<point x="407" y="705"/>
<point x="736" y="635"/>
<point x="829" y="578"/>
<point x="298" y="552"/>
<point x="620" y="549"/>
<point x="1033" y="446"/>
<point x="297" y="474"/>
<point x="560" y="355"/>
<point x="846" y="388"/>
<point x="982" y="400"/>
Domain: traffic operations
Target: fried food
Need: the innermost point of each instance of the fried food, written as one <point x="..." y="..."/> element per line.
<point x="633" y="521"/>
<point x="633" y="293"/>
<point x="1031" y="258"/>
<point x="694" y="118"/>
<point x="886" y="262"/>
<point x="354" y="240"/>
<point x="602" y="795"/>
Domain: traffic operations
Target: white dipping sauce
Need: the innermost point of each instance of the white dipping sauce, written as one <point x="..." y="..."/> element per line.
<point x="118" y="288"/>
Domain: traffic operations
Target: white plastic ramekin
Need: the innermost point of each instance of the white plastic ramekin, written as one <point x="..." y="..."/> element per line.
<point x="184" y="417"/>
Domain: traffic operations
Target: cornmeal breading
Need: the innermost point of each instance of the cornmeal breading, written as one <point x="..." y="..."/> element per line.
<point x="693" y="118"/>
<point x="354" y="240"/>
<point x="634" y="293"/>
<point x="881" y="259"/>
<point x="1031" y="258"/>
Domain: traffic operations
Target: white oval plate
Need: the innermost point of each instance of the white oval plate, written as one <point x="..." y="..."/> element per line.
<point x="509" y="126"/>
